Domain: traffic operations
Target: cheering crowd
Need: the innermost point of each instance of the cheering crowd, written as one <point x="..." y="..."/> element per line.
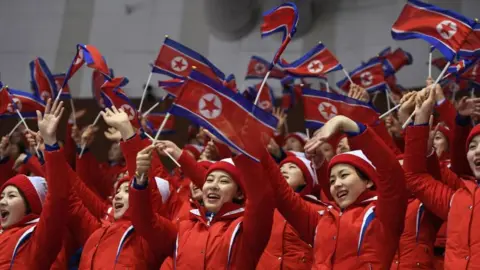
<point x="353" y="196"/>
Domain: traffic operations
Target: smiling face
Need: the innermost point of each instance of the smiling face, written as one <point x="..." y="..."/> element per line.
<point x="12" y="206"/>
<point x="346" y="185"/>
<point x="292" y="173"/>
<point x="120" y="201"/>
<point x="473" y="156"/>
<point x="219" y="188"/>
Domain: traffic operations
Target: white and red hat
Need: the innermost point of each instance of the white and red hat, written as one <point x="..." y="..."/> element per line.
<point x="301" y="137"/>
<point x="34" y="188"/>
<point x="474" y="132"/>
<point x="305" y="166"/>
<point x="358" y="160"/>
<point x="195" y="149"/>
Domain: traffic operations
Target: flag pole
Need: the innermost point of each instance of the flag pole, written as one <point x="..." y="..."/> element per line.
<point x="151" y="109"/>
<point x="72" y="106"/>
<point x="388" y="98"/>
<point x="14" y="128"/>
<point x="328" y="87"/>
<point x="430" y="64"/>
<point x="145" y="91"/>
<point x="59" y="94"/>
<point x="166" y="153"/>
<point x="161" y="128"/>
<point x="348" y="76"/>
<point x="84" y="144"/>
<point x="432" y="89"/>
<point x="261" y="87"/>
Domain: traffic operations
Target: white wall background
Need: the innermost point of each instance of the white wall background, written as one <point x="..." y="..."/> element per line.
<point x="354" y="30"/>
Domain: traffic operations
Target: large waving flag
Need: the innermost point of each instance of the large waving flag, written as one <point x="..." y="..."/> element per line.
<point x="443" y="29"/>
<point x="318" y="61"/>
<point x="27" y="104"/>
<point x="154" y="120"/>
<point x="471" y="46"/>
<point x="177" y="61"/>
<point x="284" y="19"/>
<point x="370" y="76"/>
<point x="223" y="112"/>
<point x="393" y="62"/>
<point x="90" y="55"/>
<point x="266" y="101"/>
<point x="113" y="95"/>
<point x="258" y="68"/>
<point x="59" y="81"/>
<point x="43" y="82"/>
<point x="320" y="106"/>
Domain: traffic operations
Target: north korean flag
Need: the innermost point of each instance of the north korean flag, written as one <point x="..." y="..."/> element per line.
<point x="258" y="68"/>
<point x="4" y="100"/>
<point x="154" y="120"/>
<point x="43" y="83"/>
<point x="266" y="101"/>
<point x="471" y="46"/>
<point x="98" y="79"/>
<point x="59" y="79"/>
<point x="320" y="106"/>
<point x="461" y="66"/>
<point x="27" y="104"/>
<point x="172" y="86"/>
<point x="291" y="94"/>
<point x="370" y="76"/>
<point x="318" y="61"/>
<point x="231" y="118"/>
<point x="380" y="55"/>
<point x="395" y="61"/>
<point x="177" y="61"/>
<point x="471" y="70"/>
<point x="440" y="62"/>
<point x="113" y="95"/>
<point x="231" y="83"/>
<point x="87" y="54"/>
<point x="283" y="19"/>
<point x="443" y="29"/>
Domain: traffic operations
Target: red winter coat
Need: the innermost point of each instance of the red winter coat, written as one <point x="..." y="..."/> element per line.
<point x="35" y="243"/>
<point x="460" y="206"/>
<point x="363" y="236"/>
<point x="285" y="249"/>
<point x="235" y="237"/>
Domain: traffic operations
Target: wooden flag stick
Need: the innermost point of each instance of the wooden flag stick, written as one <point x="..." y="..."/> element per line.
<point x="14" y="128"/>
<point x="84" y="144"/>
<point x="261" y="87"/>
<point x="348" y="76"/>
<point x="151" y="109"/>
<point x="145" y="91"/>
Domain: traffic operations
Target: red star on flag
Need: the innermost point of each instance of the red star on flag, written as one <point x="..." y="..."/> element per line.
<point x="179" y="64"/>
<point x="447" y="28"/>
<point x="209" y="106"/>
<point x="328" y="110"/>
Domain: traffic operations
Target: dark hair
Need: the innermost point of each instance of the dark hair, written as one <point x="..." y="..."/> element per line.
<point x="28" y="209"/>
<point x="364" y="177"/>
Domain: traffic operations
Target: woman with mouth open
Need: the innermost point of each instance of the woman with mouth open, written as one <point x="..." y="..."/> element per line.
<point x="361" y="229"/>
<point x="32" y="219"/>
<point x="232" y="227"/>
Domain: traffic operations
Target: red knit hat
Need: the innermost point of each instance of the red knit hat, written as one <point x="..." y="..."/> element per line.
<point x="358" y="160"/>
<point x="205" y="163"/>
<point x="446" y="132"/>
<point x="120" y="181"/>
<point x="305" y="166"/>
<point x="474" y="132"/>
<point x="34" y="188"/>
<point x="196" y="150"/>
<point x="301" y="137"/>
<point x="227" y="166"/>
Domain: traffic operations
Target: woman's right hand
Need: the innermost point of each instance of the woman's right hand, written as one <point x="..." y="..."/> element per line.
<point x="170" y="148"/>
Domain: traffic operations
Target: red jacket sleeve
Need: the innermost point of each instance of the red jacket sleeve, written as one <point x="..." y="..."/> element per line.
<point x="383" y="134"/>
<point x="447" y="113"/>
<point x="94" y="175"/>
<point x="34" y="166"/>
<point x="159" y="232"/>
<point x="392" y="194"/>
<point x="259" y="203"/>
<point x="51" y="227"/>
<point x="458" y="152"/>
<point x="192" y="170"/>
<point x="300" y="214"/>
<point x="434" y="194"/>
<point x="80" y="220"/>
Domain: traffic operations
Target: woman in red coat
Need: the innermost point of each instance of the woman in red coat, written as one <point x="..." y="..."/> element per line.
<point x="32" y="219"/>
<point x="285" y="249"/>
<point x="227" y="231"/>
<point x="359" y="230"/>
<point x="459" y="206"/>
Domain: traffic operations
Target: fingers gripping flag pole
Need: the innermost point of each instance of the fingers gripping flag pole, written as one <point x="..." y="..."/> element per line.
<point x="432" y="89"/>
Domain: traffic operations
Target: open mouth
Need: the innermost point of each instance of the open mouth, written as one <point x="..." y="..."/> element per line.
<point x="118" y="206"/>
<point x="213" y="197"/>
<point x="286" y="176"/>
<point x="342" y="194"/>
<point x="476" y="162"/>
<point x="4" y="214"/>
